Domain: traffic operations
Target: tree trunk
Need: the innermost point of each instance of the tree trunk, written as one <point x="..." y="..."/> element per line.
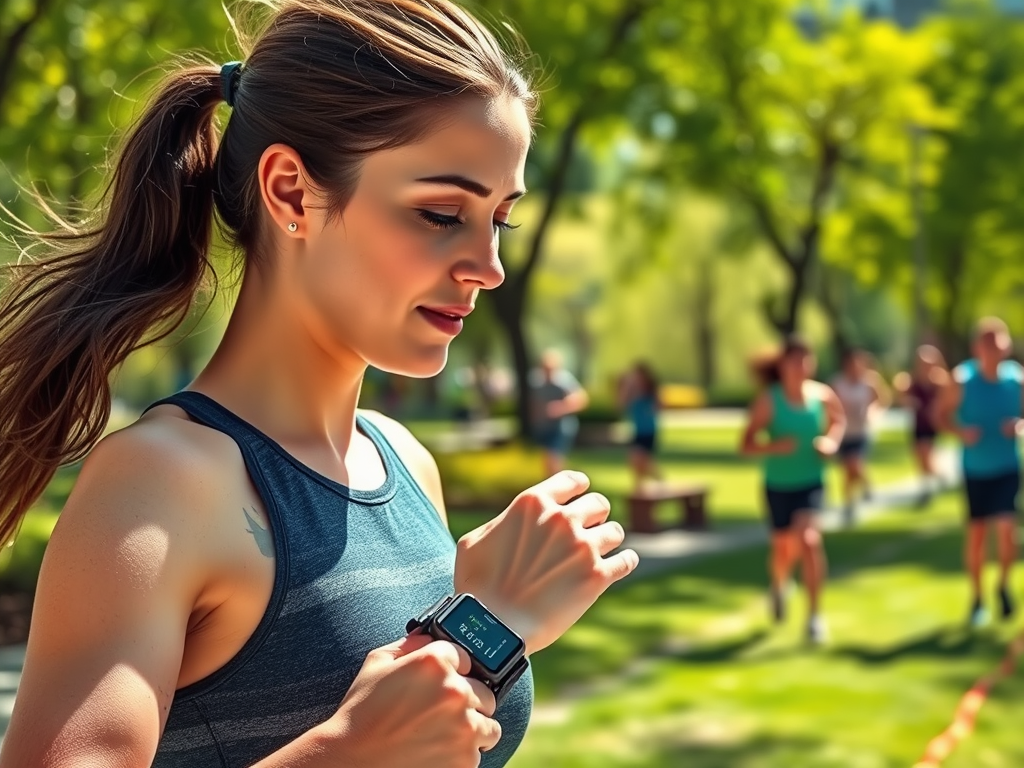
<point x="508" y="308"/>
<point x="703" y="320"/>
<point x="10" y="47"/>
<point x="510" y="298"/>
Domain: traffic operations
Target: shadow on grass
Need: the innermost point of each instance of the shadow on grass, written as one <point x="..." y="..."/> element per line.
<point x="758" y="750"/>
<point x="949" y="642"/>
<point x="713" y="748"/>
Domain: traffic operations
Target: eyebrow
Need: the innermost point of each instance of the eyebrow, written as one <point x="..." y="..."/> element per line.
<point x="473" y="187"/>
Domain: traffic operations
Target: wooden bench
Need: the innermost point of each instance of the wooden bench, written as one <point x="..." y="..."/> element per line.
<point x="691" y="499"/>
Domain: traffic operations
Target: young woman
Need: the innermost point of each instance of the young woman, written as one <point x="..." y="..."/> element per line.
<point x="861" y="392"/>
<point x="804" y="422"/>
<point x="918" y="392"/>
<point x="230" y="581"/>
<point x="639" y="398"/>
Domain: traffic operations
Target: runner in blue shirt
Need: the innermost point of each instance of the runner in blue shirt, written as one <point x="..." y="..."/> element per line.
<point x="983" y="405"/>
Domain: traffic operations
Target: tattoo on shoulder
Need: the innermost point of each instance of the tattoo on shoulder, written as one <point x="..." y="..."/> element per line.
<point x="262" y="535"/>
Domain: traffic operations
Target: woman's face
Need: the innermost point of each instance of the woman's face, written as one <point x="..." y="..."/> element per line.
<point x="798" y="365"/>
<point x="389" y="280"/>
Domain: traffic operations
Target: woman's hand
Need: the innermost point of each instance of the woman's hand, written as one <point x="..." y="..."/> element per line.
<point x="541" y="563"/>
<point x="411" y="704"/>
<point x="826" y="446"/>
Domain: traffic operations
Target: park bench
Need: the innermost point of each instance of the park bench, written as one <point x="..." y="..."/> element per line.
<point x="690" y="498"/>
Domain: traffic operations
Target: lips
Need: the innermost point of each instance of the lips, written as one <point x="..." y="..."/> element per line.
<point x="448" y="320"/>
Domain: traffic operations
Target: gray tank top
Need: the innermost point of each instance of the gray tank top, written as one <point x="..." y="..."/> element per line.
<point x="351" y="567"/>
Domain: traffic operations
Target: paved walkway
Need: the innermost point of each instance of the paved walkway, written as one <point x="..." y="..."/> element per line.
<point x="657" y="552"/>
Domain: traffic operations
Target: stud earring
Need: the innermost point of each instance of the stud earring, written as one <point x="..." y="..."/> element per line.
<point x="293" y="227"/>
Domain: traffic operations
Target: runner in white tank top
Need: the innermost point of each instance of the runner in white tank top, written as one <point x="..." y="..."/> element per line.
<point x="861" y="391"/>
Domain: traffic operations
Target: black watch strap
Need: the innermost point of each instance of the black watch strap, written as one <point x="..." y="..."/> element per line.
<point x="509" y="680"/>
<point x="420" y="621"/>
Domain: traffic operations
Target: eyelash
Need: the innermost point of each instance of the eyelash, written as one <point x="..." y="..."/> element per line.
<point x="441" y="221"/>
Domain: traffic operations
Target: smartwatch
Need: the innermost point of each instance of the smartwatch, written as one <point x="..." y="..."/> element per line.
<point x="497" y="654"/>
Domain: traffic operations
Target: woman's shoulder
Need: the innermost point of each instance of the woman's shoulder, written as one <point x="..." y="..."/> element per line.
<point x="164" y="469"/>
<point x="819" y="390"/>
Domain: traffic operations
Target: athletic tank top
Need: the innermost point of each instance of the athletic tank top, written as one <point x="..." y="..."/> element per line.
<point x="987" y="405"/>
<point x="351" y="567"/>
<point x="643" y="412"/>
<point x="804" y="468"/>
<point x="924" y="396"/>
<point x="856" y="397"/>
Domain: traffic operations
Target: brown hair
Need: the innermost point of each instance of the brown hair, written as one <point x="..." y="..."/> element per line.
<point x="765" y="366"/>
<point x="334" y="79"/>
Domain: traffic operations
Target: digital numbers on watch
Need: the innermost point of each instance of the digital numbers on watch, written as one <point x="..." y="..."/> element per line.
<point x="475" y="628"/>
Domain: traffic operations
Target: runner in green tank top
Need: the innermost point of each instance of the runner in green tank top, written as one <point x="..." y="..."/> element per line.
<point x="804" y="423"/>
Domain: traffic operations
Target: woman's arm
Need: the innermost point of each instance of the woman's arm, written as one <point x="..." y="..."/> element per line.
<point x="118" y="583"/>
<point x="835" y="416"/>
<point x="759" y="419"/>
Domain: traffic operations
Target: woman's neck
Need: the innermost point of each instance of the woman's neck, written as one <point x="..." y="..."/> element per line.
<point x="271" y="371"/>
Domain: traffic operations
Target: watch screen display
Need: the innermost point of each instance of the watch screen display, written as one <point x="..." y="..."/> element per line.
<point x="486" y="637"/>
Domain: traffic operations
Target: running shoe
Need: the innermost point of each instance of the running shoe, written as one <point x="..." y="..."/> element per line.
<point x="979" y="616"/>
<point x="817" y="632"/>
<point x="1006" y="604"/>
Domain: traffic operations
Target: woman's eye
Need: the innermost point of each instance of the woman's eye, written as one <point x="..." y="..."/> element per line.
<point x="447" y="221"/>
<point x="439" y="220"/>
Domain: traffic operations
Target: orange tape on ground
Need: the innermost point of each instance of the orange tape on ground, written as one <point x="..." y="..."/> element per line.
<point x="942" y="745"/>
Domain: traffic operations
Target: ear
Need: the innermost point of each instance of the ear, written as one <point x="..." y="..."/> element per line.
<point x="284" y="188"/>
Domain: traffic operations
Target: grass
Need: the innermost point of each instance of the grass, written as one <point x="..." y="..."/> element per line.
<point x="707" y="454"/>
<point x="684" y="669"/>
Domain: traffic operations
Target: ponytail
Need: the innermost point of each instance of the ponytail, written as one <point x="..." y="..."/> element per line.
<point x="105" y="288"/>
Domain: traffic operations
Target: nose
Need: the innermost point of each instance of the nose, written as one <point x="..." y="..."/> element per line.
<point x="481" y="265"/>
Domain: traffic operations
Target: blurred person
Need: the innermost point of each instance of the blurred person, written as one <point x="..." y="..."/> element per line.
<point x="918" y="391"/>
<point x="556" y="399"/>
<point x="638" y="397"/>
<point x="982" y="404"/>
<point x="862" y="393"/>
<point x="803" y="421"/>
<point x="236" y="577"/>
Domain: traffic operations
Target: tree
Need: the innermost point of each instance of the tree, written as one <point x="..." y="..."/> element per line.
<point x="769" y="117"/>
<point x="596" y="54"/>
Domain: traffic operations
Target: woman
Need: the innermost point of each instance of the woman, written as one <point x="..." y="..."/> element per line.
<point x="230" y="581"/>
<point x="861" y="392"/>
<point x="639" y="398"/>
<point x="919" y="391"/>
<point x="804" y="422"/>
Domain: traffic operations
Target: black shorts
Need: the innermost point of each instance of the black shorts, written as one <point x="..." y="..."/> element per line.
<point x="924" y="433"/>
<point x="992" y="496"/>
<point x="646" y="443"/>
<point x="783" y="506"/>
<point x="853" y="447"/>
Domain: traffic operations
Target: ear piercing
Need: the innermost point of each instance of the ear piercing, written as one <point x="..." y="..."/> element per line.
<point x="293" y="227"/>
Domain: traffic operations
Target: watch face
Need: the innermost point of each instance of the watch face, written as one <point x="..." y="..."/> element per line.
<point x="487" y="639"/>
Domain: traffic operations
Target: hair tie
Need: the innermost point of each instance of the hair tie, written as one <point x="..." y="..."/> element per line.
<point x="229" y="76"/>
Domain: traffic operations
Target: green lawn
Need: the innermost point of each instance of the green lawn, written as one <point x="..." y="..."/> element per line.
<point x="683" y="669"/>
<point x="707" y="455"/>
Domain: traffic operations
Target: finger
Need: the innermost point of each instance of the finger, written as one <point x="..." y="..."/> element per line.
<point x="589" y="510"/>
<point x="564" y="486"/>
<point x="455" y="657"/>
<point x="482" y="698"/>
<point x="618" y="566"/>
<point x="606" y="537"/>
<point x="487" y="729"/>
<point x="408" y="644"/>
